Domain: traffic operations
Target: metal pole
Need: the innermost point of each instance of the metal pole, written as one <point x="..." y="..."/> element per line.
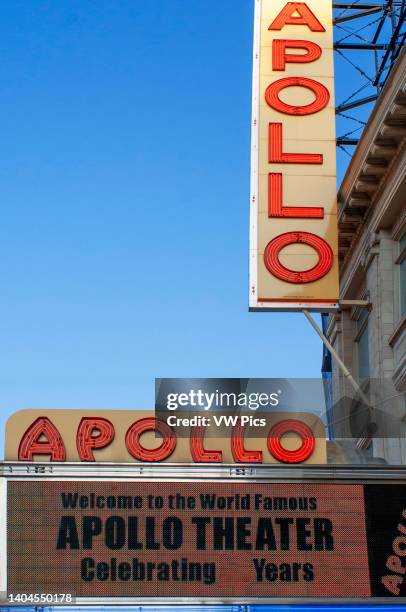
<point x="334" y="354"/>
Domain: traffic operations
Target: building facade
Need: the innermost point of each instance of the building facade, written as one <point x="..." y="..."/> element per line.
<point x="369" y="331"/>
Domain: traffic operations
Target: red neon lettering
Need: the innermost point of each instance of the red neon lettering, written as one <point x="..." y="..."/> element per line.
<point x="93" y="433"/>
<point x="274" y="266"/>
<point x="272" y="96"/>
<point x="291" y="456"/>
<point x="135" y="448"/>
<point x="280" y="58"/>
<point x="304" y="17"/>
<point x="276" y="155"/>
<point x="276" y="208"/>
<point x="240" y="453"/>
<point x="31" y="444"/>
<point x="197" y="450"/>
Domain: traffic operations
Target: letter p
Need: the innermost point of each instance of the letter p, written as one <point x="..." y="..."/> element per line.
<point x="280" y="58"/>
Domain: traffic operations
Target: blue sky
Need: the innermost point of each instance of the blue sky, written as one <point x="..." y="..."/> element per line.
<point x="124" y="195"/>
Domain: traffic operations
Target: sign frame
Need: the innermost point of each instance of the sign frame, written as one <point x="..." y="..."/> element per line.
<point x="18" y="471"/>
<point x="255" y="302"/>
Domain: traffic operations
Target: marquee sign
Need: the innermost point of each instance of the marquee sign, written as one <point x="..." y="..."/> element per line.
<point x="204" y="539"/>
<point x="293" y="220"/>
<point x="129" y="436"/>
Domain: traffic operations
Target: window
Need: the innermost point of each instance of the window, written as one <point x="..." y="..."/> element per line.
<point x="402" y="274"/>
<point x="363" y="346"/>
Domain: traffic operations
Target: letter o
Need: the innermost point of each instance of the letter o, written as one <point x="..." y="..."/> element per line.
<point x="139" y="452"/>
<point x="274" y="266"/>
<point x="172" y="533"/>
<point x="291" y="456"/>
<point x="114" y="536"/>
<point x="399" y="546"/>
<point x="272" y="96"/>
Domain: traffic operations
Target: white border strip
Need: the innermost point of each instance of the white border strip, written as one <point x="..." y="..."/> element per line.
<point x="3" y="535"/>
<point x="253" y="264"/>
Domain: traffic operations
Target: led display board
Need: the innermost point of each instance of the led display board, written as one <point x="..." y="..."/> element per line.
<point x="206" y="540"/>
<point x="293" y="221"/>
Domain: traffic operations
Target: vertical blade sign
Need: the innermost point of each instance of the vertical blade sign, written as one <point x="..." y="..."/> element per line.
<point x="293" y="226"/>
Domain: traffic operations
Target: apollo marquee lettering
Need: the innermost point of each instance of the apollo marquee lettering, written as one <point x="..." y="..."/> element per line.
<point x="42" y="438"/>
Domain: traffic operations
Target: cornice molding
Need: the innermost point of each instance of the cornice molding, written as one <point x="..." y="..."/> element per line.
<point x="377" y="170"/>
<point x="395" y="85"/>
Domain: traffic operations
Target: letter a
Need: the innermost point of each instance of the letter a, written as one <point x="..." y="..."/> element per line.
<point x="31" y="443"/>
<point x="392" y="583"/>
<point x="304" y="17"/>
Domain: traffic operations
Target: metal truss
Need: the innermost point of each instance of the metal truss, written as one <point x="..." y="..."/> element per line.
<point x="368" y="38"/>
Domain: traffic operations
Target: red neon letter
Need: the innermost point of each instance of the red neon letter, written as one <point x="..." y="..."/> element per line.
<point x="31" y="444"/>
<point x="276" y="208"/>
<point x="291" y="456"/>
<point x="272" y="96"/>
<point x="274" y="266"/>
<point x="240" y="454"/>
<point x="280" y="58"/>
<point x="135" y="448"/>
<point x="86" y="440"/>
<point x="276" y="155"/>
<point x="304" y="17"/>
<point x="198" y="452"/>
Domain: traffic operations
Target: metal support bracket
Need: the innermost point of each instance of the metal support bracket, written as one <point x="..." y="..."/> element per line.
<point x="344" y="304"/>
<point x="364" y="439"/>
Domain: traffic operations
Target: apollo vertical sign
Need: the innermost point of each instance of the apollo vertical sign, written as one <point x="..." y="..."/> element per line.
<point x="293" y="235"/>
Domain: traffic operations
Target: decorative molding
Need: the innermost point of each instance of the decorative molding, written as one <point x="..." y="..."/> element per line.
<point x="399" y="376"/>
<point x="371" y="250"/>
<point x="399" y="329"/>
<point x="357" y="311"/>
<point x="376" y="173"/>
<point x="334" y="328"/>
<point x="400" y="227"/>
<point x="393" y="88"/>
